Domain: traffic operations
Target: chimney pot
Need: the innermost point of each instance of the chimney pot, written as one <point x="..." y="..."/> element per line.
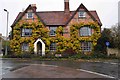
<point x="66" y="0"/>
<point x="34" y="6"/>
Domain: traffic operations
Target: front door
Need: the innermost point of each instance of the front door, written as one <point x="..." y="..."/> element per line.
<point x="39" y="48"/>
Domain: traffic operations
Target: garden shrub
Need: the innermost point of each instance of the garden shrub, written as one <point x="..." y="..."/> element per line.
<point x="99" y="54"/>
<point x="68" y="52"/>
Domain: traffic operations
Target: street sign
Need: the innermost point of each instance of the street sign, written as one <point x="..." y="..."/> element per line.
<point x="107" y="43"/>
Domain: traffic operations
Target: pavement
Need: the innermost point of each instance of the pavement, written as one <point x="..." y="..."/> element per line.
<point x="49" y="71"/>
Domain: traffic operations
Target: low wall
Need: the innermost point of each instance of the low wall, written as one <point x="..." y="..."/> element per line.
<point x="112" y="51"/>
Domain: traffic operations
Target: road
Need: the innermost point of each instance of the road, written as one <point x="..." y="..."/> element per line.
<point x="105" y="69"/>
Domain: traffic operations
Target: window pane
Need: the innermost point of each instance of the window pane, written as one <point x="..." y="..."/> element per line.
<point x="29" y="15"/>
<point x="23" y="32"/>
<point x="86" y="46"/>
<point x="25" y="46"/>
<point x="81" y="14"/>
<point x="26" y="32"/>
<point x="53" y="47"/>
<point x="52" y="31"/>
<point x="85" y="31"/>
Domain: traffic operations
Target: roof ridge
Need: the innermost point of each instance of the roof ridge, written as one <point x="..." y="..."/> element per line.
<point x="51" y="11"/>
<point x="92" y="10"/>
<point x="59" y="17"/>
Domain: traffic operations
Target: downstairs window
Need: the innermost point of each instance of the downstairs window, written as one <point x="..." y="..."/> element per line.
<point x="86" y="46"/>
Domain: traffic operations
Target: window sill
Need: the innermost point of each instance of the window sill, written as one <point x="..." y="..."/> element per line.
<point x="52" y="35"/>
<point x="82" y="17"/>
<point x="52" y="50"/>
<point x="86" y="36"/>
<point x="29" y="19"/>
<point x="25" y="36"/>
<point x="86" y="50"/>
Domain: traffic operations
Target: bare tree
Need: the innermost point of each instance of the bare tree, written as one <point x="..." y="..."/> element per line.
<point x="115" y="32"/>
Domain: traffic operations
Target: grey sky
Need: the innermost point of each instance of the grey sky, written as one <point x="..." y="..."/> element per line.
<point x="106" y="9"/>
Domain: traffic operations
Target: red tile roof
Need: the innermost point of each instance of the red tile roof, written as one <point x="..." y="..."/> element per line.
<point x="17" y="18"/>
<point x="95" y="15"/>
<point x="57" y="17"/>
<point x="53" y="17"/>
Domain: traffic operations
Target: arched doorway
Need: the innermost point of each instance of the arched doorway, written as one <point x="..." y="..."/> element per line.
<point x="39" y="47"/>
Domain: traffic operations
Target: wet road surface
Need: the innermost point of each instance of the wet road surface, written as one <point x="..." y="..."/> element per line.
<point x="49" y="71"/>
<point x="105" y="68"/>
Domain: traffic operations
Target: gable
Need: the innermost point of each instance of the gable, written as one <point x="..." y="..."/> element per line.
<point x="58" y="17"/>
<point x="90" y="16"/>
<point x="23" y="16"/>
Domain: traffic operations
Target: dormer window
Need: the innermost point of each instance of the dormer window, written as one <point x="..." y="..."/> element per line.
<point x="82" y="14"/>
<point x="29" y="15"/>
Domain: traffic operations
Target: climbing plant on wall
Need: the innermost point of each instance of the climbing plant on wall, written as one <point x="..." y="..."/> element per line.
<point x="73" y="42"/>
<point x="38" y="31"/>
<point x="63" y="43"/>
<point x="60" y="40"/>
<point x="76" y="39"/>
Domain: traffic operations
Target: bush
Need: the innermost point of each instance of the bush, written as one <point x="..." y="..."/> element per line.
<point x="21" y="55"/>
<point x="98" y="54"/>
<point x="90" y="56"/>
<point x="81" y="56"/>
<point x="68" y="52"/>
<point x="49" y="55"/>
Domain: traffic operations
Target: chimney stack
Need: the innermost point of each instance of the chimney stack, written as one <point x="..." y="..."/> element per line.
<point x="34" y="6"/>
<point x="66" y="6"/>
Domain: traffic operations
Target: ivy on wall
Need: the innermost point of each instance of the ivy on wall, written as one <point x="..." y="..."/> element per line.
<point x="38" y="31"/>
<point x="73" y="42"/>
<point x="63" y="43"/>
<point x="76" y="39"/>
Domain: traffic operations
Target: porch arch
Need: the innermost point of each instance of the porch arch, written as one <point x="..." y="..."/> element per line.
<point x="36" y="47"/>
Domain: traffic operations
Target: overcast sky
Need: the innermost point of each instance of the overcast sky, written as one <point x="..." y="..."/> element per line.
<point x="106" y="9"/>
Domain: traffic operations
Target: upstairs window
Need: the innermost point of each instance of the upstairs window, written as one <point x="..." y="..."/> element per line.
<point x="25" y="47"/>
<point x="82" y="14"/>
<point x="86" y="46"/>
<point x="53" y="47"/>
<point x="26" y="32"/>
<point x="29" y="15"/>
<point x="53" y="31"/>
<point x="85" y="31"/>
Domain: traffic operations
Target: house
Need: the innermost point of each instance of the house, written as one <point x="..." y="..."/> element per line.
<point x="35" y="30"/>
<point x="1" y="44"/>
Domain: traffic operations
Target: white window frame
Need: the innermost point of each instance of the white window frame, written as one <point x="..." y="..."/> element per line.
<point x="25" y="46"/>
<point x="53" y="46"/>
<point x="82" y="14"/>
<point x="86" y="46"/>
<point x="85" y="31"/>
<point x="29" y="15"/>
<point x="26" y="30"/>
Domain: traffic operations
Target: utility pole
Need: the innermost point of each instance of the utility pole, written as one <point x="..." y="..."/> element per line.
<point x="6" y="48"/>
